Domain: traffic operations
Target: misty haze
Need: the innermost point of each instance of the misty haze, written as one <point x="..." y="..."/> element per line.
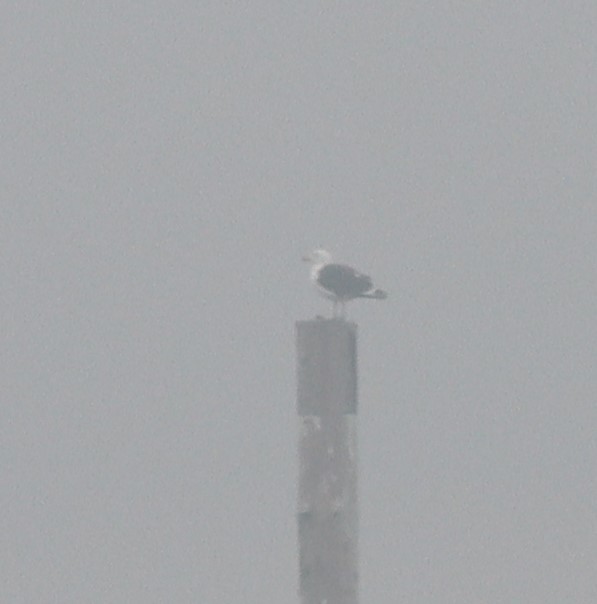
<point x="164" y="170"/>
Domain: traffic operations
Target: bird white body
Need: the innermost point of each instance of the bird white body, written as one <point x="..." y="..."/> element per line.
<point x="318" y="259"/>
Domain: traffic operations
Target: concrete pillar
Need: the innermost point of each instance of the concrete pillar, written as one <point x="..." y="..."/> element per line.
<point x="327" y="490"/>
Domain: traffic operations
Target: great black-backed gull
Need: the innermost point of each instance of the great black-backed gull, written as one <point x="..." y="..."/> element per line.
<point x="339" y="282"/>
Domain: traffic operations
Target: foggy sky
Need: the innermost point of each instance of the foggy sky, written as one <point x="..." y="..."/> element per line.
<point x="164" y="169"/>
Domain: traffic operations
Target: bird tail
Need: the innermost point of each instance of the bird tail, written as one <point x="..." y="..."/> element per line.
<point x="376" y="294"/>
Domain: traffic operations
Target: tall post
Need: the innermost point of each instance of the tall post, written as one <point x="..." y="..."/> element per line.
<point x="327" y="490"/>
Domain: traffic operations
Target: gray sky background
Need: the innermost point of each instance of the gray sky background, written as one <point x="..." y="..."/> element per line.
<point x="163" y="169"/>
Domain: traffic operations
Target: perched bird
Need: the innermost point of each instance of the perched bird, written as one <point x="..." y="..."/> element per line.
<point x="339" y="282"/>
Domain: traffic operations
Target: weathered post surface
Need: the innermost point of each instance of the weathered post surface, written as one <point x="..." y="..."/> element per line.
<point x="327" y="490"/>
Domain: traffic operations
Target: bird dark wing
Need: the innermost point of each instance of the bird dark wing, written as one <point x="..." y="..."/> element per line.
<point x="343" y="280"/>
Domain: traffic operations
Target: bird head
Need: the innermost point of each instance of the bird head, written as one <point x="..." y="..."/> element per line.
<point x="318" y="257"/>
